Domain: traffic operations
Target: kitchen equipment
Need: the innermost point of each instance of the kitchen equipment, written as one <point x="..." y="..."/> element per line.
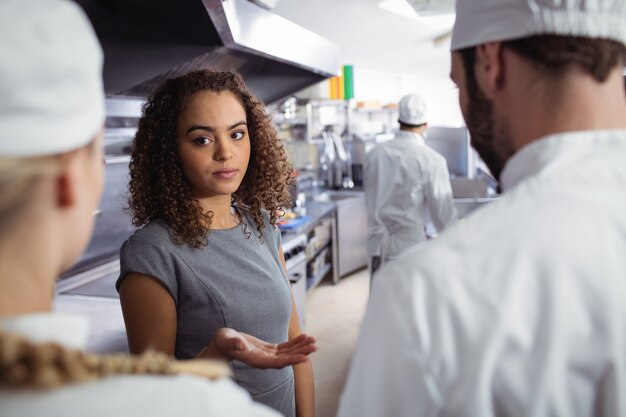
<point x="335" y="165"/>
<point x="292" y="224"/>
<point x="351" y="232"/>
<point x="295" y="260"/>
<point x="346" y="164"/>
<point x="349" y="239"/>
<point x="147" y="42"/>
<point x="452" y="143"/>
<point x="327" y="161"/>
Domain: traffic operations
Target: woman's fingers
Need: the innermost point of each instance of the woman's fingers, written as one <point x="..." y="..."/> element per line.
<point x="300" y="348"/>
<point x="293" y="341"/>
<point x="305" y="345"/>
<point x="260" y="354"/>
<point x="301" y="339"/>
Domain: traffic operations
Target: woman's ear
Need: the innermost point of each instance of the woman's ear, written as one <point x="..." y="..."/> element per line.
<point x="489" y="68"/>
<point x="66" y="184"/>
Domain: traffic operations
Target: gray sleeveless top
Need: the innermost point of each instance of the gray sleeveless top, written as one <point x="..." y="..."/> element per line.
<point x="236" y="281"/>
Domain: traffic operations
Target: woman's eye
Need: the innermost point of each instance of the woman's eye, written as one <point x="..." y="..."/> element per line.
<point x="238" y="135"/>
<point x="202" y="140"/>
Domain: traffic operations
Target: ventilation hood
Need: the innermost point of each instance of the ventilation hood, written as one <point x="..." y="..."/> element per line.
<point x="147" y="41"/>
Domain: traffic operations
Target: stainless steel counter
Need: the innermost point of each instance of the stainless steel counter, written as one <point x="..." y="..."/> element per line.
<point x="315" y="211"/>
<point x="466" y="206"/>
<point x="347" y="210"/>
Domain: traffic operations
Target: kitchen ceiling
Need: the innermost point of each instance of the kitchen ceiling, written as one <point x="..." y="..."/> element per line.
<point x="375" y="38"/>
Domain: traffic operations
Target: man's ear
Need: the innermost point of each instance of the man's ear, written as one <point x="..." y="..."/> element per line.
<point x="66" y="184"/>
<point x="489" y="68"/>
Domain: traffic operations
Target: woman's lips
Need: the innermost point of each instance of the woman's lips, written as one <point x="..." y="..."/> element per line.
<point x="226" y="174"/>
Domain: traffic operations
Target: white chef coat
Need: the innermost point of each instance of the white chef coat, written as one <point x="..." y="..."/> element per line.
<point x="518" y="310"/>
<point x="130" y="395"/>
<point x="404" y="180"/>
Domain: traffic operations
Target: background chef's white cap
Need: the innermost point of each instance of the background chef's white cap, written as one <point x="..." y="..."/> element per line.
<point x="412" y="110"/>
<point x="51" y="96"/>
<point x="483" y="21"/>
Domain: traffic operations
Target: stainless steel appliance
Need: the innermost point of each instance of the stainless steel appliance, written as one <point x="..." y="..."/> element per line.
<point x="453" y="144"/>
<point x="351" y="232"/>
<point x="145" y="42"/>
<point x="336" y="164"/>
<point x="295" y="259"/>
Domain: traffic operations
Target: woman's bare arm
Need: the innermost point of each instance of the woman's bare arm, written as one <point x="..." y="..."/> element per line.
<point x="149" y="314"/>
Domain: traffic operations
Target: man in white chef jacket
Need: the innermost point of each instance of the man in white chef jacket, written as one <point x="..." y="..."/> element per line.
<point x="519" y="310"/>
<point x="404" y="182"/>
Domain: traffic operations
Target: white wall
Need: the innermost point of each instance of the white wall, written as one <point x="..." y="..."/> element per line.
<point x="440" y="93"/>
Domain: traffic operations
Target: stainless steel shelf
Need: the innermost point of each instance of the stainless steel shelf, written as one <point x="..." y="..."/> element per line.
<point x="312" y="282"/>
<point x="319" y="250"/>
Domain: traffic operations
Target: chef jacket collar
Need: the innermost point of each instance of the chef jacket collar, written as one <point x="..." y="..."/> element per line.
<point x="403" y="134"/>
<point x="68" y="330"/>
<point x="552" y="151"/>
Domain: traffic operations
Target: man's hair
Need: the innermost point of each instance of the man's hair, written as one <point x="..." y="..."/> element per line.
<point x="553" y="54"/>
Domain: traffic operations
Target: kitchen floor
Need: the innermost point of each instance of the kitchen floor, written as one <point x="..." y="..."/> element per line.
<point x="333" y="316"/>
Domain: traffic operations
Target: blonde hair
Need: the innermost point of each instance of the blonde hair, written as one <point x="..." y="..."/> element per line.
<point x="49" y="365"/>
<point x="19" y="178"/>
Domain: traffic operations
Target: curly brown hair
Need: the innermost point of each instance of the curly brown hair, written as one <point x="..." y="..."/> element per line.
<point x="158" y="187"/>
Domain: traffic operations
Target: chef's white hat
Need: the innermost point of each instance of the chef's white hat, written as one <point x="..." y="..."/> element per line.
<point x="51" y="95"/>
<point x="482" y="21"/>
<point x="412" y="110"/>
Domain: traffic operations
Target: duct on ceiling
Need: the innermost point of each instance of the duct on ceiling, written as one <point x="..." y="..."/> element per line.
<point x="147" y="41"/>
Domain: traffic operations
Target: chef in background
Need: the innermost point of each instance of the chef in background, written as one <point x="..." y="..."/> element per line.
<point x="404" y="181"/>
<point x="520" y="310"/>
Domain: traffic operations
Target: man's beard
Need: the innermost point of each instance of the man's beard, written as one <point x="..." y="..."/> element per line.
<point x="490" y="139"/>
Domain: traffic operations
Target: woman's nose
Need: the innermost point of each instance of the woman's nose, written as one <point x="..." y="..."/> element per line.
<point x="223" y="151"/>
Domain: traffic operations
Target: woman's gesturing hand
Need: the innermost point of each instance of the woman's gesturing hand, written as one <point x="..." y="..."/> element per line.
<point x="257" y="353"/>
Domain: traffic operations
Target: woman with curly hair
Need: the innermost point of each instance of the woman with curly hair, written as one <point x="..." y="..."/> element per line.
<point x="205" y="275"/>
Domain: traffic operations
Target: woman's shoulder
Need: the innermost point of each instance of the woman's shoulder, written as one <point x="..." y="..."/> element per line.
<point x="156" y="232"/>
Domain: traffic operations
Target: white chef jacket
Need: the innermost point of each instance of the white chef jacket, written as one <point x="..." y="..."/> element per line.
<point x="131" y="395"/>
<point x="518" y="310"/>
<point x="404" y="180"/>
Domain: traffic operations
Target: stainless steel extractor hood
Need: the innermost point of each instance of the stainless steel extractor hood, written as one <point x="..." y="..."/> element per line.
<point x="146" y="41"/>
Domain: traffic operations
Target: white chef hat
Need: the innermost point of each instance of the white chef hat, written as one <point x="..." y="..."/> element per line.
<point x="412" y="110"/>
<point x="51" y="95"/>
<point x="483" y="21"/>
